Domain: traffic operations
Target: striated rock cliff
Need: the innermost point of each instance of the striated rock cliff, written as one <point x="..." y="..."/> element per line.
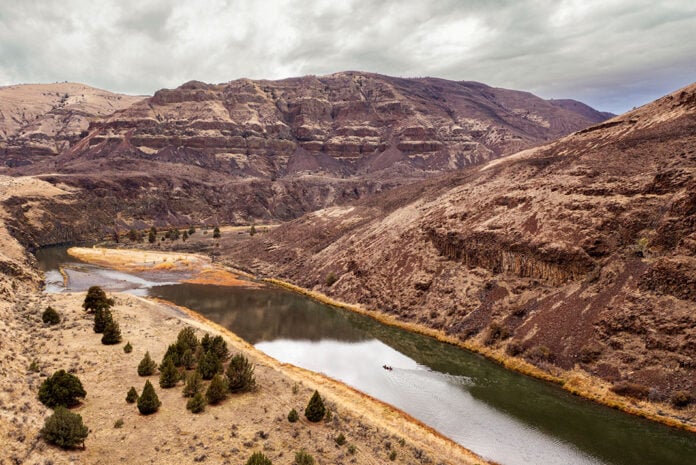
<point x="576" y="255"/>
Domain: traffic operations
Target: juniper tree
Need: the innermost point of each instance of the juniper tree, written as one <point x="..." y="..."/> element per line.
<point x="173" y="354"/>
<point x="169" y="375"/>
<point x="240" y="374"/>
<point x="216" y="344"/>
<point x="64" y="429"/>
<point x="50" y="316"/>
<point x="132" y="395"/>
<point x="196" y="403"/>
<point x="147" y="366"/>
<point x="216" y="233"/>
<point x="151" y="236"/>
<point x="148" y="402"/>
<point x="112" y="333"/>
<point x="188" y="360"/>
<point x="194" y="384"/>
<point x="128" y="348"/>
<point x="209" y="365"/>
<point x="315" y="410"/>
<point x="102" y="316"/>
<point x="293" y="416"/>
<point x="96" y="298"/>
<point x="187" y="339"/>
<point x="61" y="388"/>
<point x="217" y="390"/>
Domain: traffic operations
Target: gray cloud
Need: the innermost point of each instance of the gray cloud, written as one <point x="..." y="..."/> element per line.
<point x="610" y="54"/>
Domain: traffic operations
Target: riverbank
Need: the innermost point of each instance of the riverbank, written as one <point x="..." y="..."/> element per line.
<point x="576" y="382"/>
<point x="227" y="433"/>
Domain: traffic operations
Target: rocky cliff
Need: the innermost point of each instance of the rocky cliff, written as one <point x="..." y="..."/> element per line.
<point x="580" y="254"/>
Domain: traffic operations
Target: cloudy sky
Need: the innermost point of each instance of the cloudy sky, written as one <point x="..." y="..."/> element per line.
<point x="612" y="54"/>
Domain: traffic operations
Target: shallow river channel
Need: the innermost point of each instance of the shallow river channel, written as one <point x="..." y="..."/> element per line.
<point x="500" y="415"/>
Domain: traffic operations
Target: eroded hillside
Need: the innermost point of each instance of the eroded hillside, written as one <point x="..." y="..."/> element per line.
<point x="579" y="254"/>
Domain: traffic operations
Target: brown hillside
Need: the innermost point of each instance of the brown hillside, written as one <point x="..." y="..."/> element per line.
<point x="577" y="255"/>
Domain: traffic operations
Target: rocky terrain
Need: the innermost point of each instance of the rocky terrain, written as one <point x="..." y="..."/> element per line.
<point x="38" y="121"/>
<point x="274" y="150"/>
<point x="578" y="255"/>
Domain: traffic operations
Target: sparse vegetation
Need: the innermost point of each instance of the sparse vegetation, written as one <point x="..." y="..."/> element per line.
<point x="64" y="429"/>
<point x="496" y="332"/>
<point x="392" y="455"/>
<point x="628" y="389"/>
<point x="50" y="316"/>
<point x="681" y="399"/>
<point x="340" y="439"/>
<point x="315" y="409"/>
<point x="61" y="389"/>
<point x="216" y="233"/>
<point x="148" y="402"/>
<point x="34" y="366"/>
<point x="590" y="354"/>
<point x="331" y="279"/>
<point x="147" y="366"/>
<point x="118" y="423"/>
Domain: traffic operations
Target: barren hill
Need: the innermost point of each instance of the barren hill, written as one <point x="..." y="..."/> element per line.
<point x="39" y="120"/>
<point x="577" y="255"/>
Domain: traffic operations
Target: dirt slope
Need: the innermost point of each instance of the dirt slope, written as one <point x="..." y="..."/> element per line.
<point x="577" y="255"/>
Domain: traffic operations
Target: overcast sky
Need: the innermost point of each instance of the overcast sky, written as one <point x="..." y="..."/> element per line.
<point x="612" y="54"/>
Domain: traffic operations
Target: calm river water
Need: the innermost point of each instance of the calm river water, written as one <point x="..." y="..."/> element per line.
<point x="502" y="416"/>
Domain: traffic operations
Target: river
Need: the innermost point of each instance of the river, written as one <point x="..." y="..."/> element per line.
<point x="503" y="416"/>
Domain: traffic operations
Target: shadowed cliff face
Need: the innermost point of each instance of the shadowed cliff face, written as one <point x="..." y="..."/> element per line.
<point x="578" y="253"/>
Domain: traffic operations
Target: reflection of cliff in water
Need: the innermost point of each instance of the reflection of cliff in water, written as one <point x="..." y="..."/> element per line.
<point x="263" y="314"/>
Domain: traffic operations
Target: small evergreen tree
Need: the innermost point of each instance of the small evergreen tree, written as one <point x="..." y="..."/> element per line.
<point x="209" y="365"/>
<point x="169" y="375"/>
<point x="240" y="374"/>
<point x="151" y="236"/>
<point x="196" y="403"/>
<point x="112" y="333"/>
<point x="148" y="402"/>
<point x="191" y="230"/>
<point x="132" y="395"/>
<point x="216" y="233"/>
<point x="252" y="230"/>
<point x="315" y="410"/>
<point x="64" y="429"/>
<point x="184" y="236"/>
<point x="102" y="317"/>
<point x="293" y="416"/>
<point x="219" y="346"/>
<point x="133" y="235"/>
<point x="147" y="366"/>
<point x="96" y="298"/>
<point x="257" y="458"/>
<point x="50" y="316"/>
<point x="217" y="390"/>
<point x="128" y="348"/>
<point x="173" y="353"/>
<point x="194" y="384"/>
<point x="188" y="360"/>
<point x="61" y="388"/>
<point x="187" y="339"/>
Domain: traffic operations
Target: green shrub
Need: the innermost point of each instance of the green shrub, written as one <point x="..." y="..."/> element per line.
<point x="148" y="402"/>
<point x="240" y="374"/>
<point x="293" y="416"/>
<point x="351" y="449"/>
<point x="147" y="366"/>
<point x="62" y="389"/>
<point x="112" y="333"/>
<point x="315" y="409"/>
<point x="194" y="384"/>
<point x="50" y="316"/>
<point x="64" y="429"/>
<point x="303" y="458"/>
<point x="118" y="423"/>
<point x="216" y="233"/>
<point x="392" y="455"/>
<point x="34" y="366"/>
<point x="172" y="354"/>
<point x="196" y="403"/>
<point x="132" y="396"/>
<point x="128" y="348"/>
<point x="217" y="390"/>
<point x="169" y="375"/>
<point x="340" y="439"/>
<point x="257" y="458"/>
